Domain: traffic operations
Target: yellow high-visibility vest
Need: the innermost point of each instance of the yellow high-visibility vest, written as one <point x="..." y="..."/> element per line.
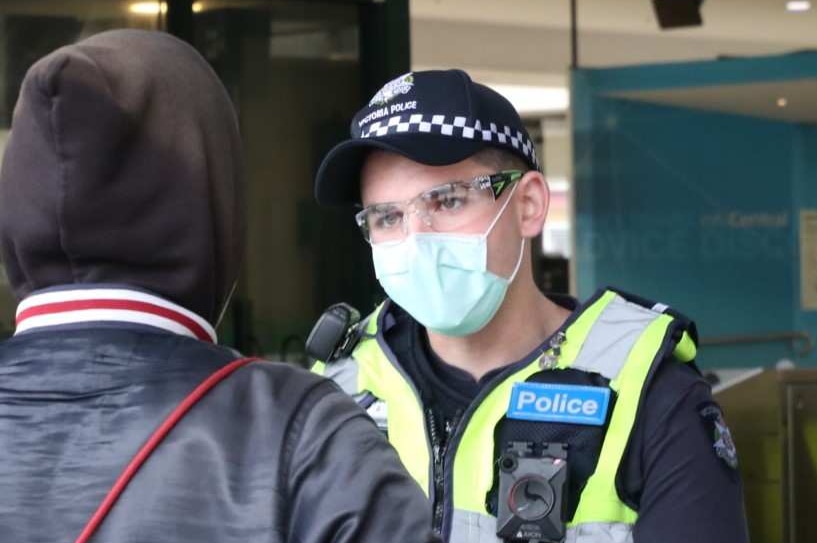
<point x="618" y="339"/>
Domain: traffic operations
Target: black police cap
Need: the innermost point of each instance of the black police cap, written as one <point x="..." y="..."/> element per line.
<point x="432" y="117"/>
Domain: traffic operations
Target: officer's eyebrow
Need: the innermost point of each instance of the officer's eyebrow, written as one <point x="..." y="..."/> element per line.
<point x="430" y="190"/>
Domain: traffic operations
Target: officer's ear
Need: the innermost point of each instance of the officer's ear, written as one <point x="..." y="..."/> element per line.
<point x="533" y="200"/>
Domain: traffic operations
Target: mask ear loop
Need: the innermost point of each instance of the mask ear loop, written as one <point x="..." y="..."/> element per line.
<point x="522" y="245"/>
<point x="518" y="261"/>
<point x="501" y="211"/>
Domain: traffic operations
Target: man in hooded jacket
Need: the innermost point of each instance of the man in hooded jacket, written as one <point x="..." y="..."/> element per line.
<point x="122" y="233"/>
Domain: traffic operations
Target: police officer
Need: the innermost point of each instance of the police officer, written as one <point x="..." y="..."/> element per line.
<point x="466" y="362"/>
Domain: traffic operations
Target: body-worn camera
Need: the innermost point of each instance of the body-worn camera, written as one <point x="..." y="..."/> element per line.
<point x="532" y="492"/>
<point x="334" y="334"/>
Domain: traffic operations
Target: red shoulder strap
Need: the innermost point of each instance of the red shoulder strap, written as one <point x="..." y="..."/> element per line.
<point x="155" y="439"/>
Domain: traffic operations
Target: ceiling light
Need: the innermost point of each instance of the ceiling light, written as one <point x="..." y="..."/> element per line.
<point x="154" y="8"/>
<point x="529" y="99"/>
<point x="782" y="102"/>
<point x="798" y="5"/>
<point x="148" y="8"/>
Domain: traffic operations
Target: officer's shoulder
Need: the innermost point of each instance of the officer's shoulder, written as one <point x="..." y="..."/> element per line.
<point x="675" y="374"/>
<point x="653" y="305"/>
<point x="682" y="330"/>
<point x="670" y="368"/>
<point x="674" y="388"/>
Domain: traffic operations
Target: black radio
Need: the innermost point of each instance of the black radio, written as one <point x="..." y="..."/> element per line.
<point x="335" y="333"/>
<point x="532" y="492"/>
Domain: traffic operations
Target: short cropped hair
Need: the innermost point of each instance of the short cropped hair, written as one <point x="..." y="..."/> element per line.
<point x="500" y="160"/>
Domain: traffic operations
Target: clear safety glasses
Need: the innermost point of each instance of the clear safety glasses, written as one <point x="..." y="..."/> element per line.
<point x="443" y="209"/>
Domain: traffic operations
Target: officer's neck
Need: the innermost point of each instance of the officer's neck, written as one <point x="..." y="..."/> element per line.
<point x="525" y="319"/>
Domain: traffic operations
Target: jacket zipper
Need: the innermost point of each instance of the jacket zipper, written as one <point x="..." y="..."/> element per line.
<point x="458" y="428"/>
<point x="437" y="476"/>
<point x="439" y="448"/>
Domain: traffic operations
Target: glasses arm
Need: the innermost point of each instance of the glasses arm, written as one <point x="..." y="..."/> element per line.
<point x="499" y="182"/>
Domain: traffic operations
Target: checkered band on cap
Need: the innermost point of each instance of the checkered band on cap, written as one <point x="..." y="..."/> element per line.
<point x="457" y="127"/>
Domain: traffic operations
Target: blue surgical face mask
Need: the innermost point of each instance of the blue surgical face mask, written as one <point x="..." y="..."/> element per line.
<point x="442" y="280"/>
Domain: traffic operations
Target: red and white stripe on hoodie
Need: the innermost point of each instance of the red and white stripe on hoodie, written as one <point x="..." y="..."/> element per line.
<point x="111" y="305"/>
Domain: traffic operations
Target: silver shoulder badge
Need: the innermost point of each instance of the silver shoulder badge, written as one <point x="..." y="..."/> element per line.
<point x="723" y="443"/>
<point x="392" y="89"/>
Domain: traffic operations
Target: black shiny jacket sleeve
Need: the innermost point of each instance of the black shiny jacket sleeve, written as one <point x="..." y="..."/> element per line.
<point x="272" y="454"/>
<point x="685" y="492"/>
<point x="346" y="483"/>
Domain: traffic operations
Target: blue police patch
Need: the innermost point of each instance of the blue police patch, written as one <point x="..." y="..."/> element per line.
<point x="550" y="402"/>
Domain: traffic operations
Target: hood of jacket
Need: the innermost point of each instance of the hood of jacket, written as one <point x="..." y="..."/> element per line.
<point x="124" y="166"/>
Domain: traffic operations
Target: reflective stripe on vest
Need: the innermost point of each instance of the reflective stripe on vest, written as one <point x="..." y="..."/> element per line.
<point x="613" y="337"/>
<point x="470" y="527"/>
<point x="369" y="370"/>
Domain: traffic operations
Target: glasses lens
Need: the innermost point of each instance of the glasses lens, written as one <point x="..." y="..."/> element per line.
<point x="455" y="205"/>
<point x="363" y="223"/>
<point x="444" y="209"/>
<point x="381" y="223"/>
